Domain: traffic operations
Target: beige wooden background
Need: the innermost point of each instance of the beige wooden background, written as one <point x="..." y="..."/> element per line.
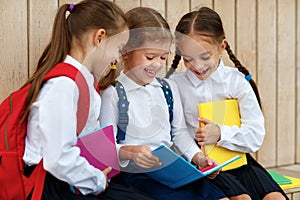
<point x="264" y="34"/>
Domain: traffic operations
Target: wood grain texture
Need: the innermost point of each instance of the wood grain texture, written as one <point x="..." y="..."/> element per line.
<point x="246" y="34"/>
<point x="196" y="4"/>
<point x="14" y="46"/>
<point x="298" y="85"/>
<point x="61" y="2"/>
<point x="226" y="10"/>
<point x="266" y="77"/>
<point x="127" y="5"/>
<point x="40" y="28"/>
<point x="286" y="82"/>
<point x="158" y="5"/>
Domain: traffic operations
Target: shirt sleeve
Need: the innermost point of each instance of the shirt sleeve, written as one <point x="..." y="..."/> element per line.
<point x="181" y="137"/>
<point x="249" y="137"/>
<point x="56" y="107"/>
<point x="109" y="114"/>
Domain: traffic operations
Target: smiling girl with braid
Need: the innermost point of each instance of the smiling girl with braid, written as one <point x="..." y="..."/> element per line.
<point x="153" y="118"/>
<point x="200" y="41"/>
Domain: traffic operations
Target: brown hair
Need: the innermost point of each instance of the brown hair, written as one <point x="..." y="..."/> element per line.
<point x="145" y="24"/>
<point x="208" y="23"/>
<point x="84" y="16"/>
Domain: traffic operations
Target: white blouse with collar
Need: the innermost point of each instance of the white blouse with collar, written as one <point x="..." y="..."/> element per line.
<point x="224" y="83"/>
<point x="51" y="132"/>
<point x="148" y="116"/>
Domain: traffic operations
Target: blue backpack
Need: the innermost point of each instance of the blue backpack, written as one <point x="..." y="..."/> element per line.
<point x="123" y="106"/>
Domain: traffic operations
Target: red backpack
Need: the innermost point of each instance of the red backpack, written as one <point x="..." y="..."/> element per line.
<point x="13" y="183"/>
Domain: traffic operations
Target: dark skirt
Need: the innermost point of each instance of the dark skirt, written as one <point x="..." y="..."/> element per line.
<point x="251" y="179"/>
<point x="201" y="189"/>
<point x="59" y="190"/>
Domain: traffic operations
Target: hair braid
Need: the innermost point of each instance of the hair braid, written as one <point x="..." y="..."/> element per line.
<point x="243" y="70"/>
<point x="236" y="62"/>
<point x="174" y="65"/>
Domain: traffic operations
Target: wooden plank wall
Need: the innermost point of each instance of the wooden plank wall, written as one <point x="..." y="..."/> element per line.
<point x="264" y="35"/>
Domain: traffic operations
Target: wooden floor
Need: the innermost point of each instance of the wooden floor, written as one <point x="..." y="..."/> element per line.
<point x="294" y="171"/>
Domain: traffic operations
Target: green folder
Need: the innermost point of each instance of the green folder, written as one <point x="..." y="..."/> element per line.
<point x="280" y="179"/>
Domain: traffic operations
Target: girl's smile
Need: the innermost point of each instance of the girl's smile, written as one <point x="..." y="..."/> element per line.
<point x="200" y="55"/>
<point x="142" y="65"/>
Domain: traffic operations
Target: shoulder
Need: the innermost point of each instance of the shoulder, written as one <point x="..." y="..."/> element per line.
<point x="232" y="72"/>
<point x="62" y="88"/>
<point x="169" y="82"/>
<point x="178" y="76"/>
<point x="173" y="89"/>
<point x="61" y="84"/>
<point x="109" y="92"/>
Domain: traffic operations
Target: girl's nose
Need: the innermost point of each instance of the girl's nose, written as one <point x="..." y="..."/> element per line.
<point x="198" y="64"/>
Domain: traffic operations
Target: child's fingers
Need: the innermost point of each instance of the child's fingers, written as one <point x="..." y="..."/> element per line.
<point x="107" y="170"/>
<point x="200" y="135"/>
<point x="204" y="121"/>
<point x="147" y="160"/>
<point x="153" y="160"/>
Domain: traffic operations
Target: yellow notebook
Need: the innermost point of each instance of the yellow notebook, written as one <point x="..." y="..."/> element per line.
<point x="295" y="183"/>
<point x="224" y="112"/>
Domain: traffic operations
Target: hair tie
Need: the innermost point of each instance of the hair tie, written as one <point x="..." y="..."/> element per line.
<point x="71" y="7"/>
<point x="248" y="77"/>
<point x="113" y="66"/>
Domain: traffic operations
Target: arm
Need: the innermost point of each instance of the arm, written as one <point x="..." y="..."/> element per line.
<point x="56" y="110"/>
<point x="181" y="137"/>
<point x="109" y="115"/>
<point x="248" y="137"/>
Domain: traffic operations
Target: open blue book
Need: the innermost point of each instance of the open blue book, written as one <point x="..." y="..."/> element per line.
<point x="176" y="171"/>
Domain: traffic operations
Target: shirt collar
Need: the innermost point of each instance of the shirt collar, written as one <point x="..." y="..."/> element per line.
<point x="131" y="85"/>
<point x="216" y="76"/>
<point x="86" y="73"/>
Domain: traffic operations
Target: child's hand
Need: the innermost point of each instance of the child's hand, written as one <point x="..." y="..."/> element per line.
<point x="201" y="162"/>
<point x="141" y="155"/>
<point x="105" y="172"/>
<point x="209" y="133"/>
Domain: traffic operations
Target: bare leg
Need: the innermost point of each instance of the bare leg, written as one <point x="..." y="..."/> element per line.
<point x="274" y="196"/>
<point x="241" y="197"/>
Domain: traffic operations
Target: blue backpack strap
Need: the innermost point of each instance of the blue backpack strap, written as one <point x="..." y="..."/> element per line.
<point x="169" y="98"/>
<point x="123" y="112"/>
<point x="123" y="107"/>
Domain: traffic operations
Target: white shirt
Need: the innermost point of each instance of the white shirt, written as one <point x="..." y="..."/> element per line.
<point x="224" y="83"/>
<point x="148" y="116"/>
<point x="51" y="132"/>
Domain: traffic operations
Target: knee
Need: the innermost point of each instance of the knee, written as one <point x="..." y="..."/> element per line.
<point x="241" y="197"/>
<point x="274" y="196"/>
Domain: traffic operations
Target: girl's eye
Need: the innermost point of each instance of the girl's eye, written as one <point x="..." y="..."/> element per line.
<point x="149" y="58"/>
<point x="163" y="58"/>
<point x="206" y="58"/>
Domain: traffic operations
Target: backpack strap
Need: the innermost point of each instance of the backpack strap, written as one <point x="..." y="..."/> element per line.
<point x="123" y="111"/>
<point x="65" y="69"/>
<point x="37" y="178"/>
<point x="169" y="98"/>
<point x="123" y="107"/>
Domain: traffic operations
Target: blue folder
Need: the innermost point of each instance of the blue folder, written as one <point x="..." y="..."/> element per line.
<point x="176" y="171"/>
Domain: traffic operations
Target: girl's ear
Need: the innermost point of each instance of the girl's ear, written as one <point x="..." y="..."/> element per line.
<point x="99" y="36"/>
<point x="125" y="55"/>
<point x="223" y="44"/>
